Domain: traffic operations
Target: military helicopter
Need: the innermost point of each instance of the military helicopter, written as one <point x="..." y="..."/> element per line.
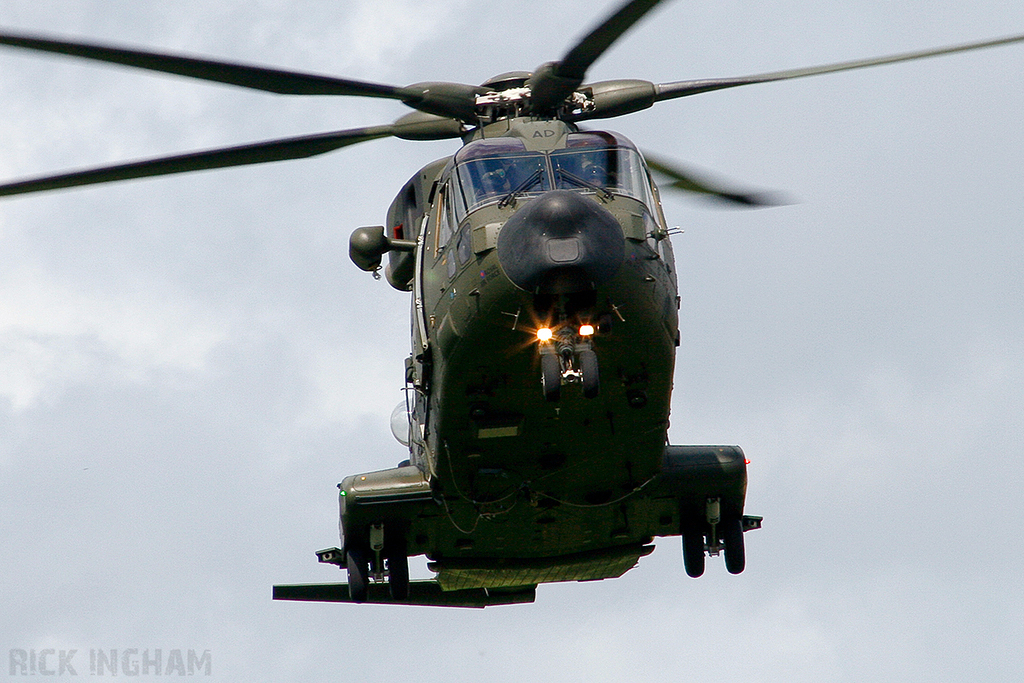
<point x="544" y="321"/>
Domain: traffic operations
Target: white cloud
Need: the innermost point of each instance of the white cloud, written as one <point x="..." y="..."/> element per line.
<point x="52" y="336"/>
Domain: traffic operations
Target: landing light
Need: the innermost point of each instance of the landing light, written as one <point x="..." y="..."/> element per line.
<point x="586" y="330"/>
<point x="544" y="334"/>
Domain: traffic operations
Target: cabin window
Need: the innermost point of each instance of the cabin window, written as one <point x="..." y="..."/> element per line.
<point x="445" y="224"/>
<point x="464" y="246"/>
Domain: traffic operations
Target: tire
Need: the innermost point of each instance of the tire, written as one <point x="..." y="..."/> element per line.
<point x="693" y="552"/>
<point x="735" y="556"/>
<point x="591" y="373"/>
<point x="358" y="575"/>
<point x="398" y="568"/>
<point x="550" y="376"/>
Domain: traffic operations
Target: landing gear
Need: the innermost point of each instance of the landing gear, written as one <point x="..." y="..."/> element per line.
<point x="398" y="567"/>
<point x="550" y="376"/>
<point x="591" y="373"/>
<point x="358" y="574"/>
<point x="693" y="551"/>
<point x="384" y="557"/>
<point x="571" y="364"/>
<point x="714" y="533"/>
<point x="732" y="535"/>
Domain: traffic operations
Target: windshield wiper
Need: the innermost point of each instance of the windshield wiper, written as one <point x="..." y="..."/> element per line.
<point x="580" y="182"/>
<point x="521" y="188"/>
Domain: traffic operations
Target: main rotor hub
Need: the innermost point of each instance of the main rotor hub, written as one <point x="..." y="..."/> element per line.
<point x="513" y="102"/>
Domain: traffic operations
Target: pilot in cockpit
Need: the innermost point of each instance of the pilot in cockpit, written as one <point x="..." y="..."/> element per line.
<point x="592" y="171"/>
<point x="497" y="179"/>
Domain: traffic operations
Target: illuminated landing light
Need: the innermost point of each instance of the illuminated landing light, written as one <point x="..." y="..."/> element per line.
<point x="544" y="334"/>
<point x="586" y="330"/>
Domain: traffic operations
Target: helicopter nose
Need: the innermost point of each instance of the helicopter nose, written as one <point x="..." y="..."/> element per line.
<point x="560" y="243"/>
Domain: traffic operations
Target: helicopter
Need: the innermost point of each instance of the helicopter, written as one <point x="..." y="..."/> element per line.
<point x="544" y="327"/>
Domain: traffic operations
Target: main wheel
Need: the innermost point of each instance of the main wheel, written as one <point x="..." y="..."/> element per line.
<point x="398" y="568"/>
<point x="358" y="574"/>
<point x="591" y="373"/>
<point x="550" y="376"/>
<point x="732" y="534"/>
<point x="693" y="551"/>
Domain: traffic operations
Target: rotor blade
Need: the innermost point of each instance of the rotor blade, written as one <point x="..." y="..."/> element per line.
<point x="554" y="82"/>
<point x="667" y="91"/>
<point x="578" y="60"/>
<point x="255" y="153"/>
<point x="244" y="75"/>
<point x="453" y="100"/>
<point x="689" y="181"/>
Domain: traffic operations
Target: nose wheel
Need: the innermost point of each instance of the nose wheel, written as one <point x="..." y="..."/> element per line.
<point x="569" y="366"/>
<point x="551" y="376"/>
<point x="591" y="373"/>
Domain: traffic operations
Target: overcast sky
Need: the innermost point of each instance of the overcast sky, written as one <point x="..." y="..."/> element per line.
<point x="189" y="365"/>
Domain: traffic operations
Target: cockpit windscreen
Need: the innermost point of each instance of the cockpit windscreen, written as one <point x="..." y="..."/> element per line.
<point x="497" y="168"/>
<point x="489" y="170"/>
